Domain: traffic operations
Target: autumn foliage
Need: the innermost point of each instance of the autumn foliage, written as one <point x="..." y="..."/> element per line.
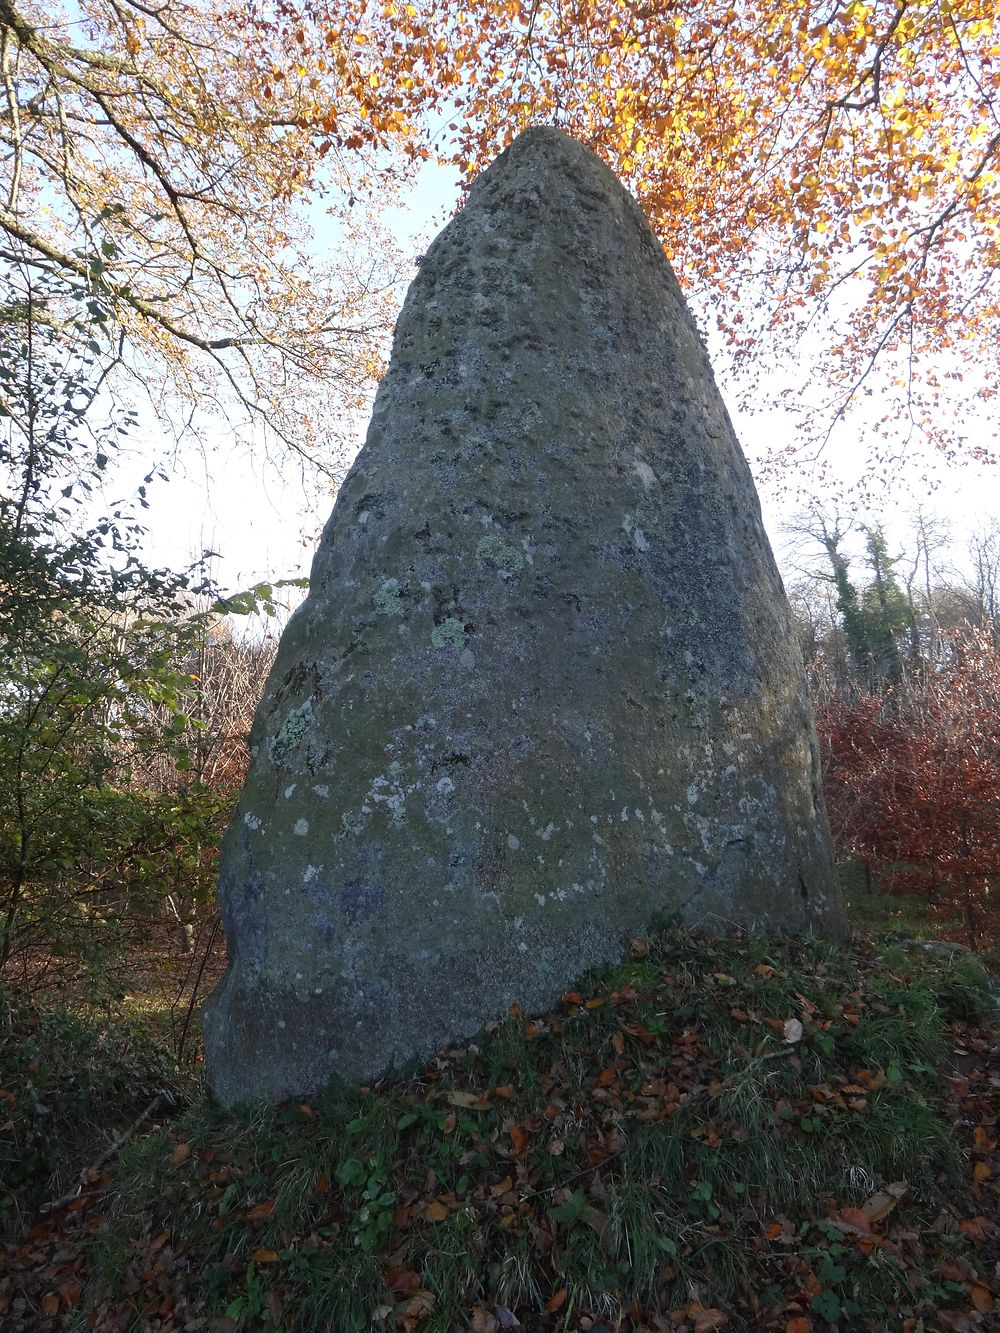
<point x="823" y="177"/>
<point x="820" y="169"/>
<point x="913" y="780"/>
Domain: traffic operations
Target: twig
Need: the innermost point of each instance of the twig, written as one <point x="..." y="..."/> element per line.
<point x="197" y="986"/>
<point x="162" y="1098"/>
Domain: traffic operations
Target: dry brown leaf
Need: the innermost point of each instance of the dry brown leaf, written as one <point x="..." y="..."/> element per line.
<point x="482" y="1321"/>
<point x="854" y="1220"/>
<point x="435" y="1212"/>
<point x="70" y="1292"/>
<point x="880" y="1205"/>
<point x="402" y="1280"/>
<point x="707" y="1320"/>
<point x="978" y="1294"/>
<point x="470" y="1101"/>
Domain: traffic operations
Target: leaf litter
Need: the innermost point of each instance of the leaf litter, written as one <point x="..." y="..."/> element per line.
<point x="736" y="1134"/>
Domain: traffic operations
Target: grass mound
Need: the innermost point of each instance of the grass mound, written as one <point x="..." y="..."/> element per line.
<point x="738" y="1134"/>
<point x="64" y="1083"/>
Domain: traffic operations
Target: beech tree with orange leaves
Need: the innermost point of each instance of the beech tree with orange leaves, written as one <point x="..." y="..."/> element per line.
<point x="823" y="175"/>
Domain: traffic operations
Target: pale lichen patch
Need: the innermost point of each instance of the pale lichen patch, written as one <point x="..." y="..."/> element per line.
<point x="493" y="550"/>
<point x="449" y="634"/>
<point x="388" y="600"/>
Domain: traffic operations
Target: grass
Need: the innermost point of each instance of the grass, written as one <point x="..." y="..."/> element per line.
<point x="655" y="1136"/>
<point x="64" y="1082"/>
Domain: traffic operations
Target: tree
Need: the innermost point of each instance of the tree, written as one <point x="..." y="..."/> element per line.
<point x="94" y="649"/>
<point x="158" y="155"/>
<point x="912" y="778"/>
<point x="824" y="173"/>
<point x="873" y="617"/>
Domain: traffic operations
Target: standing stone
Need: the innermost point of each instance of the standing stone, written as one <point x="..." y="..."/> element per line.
<point x="544" y="692"/>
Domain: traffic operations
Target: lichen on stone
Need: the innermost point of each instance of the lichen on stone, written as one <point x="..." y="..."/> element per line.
<point x="290" y="735"/>
<point x="449" y="634"/>
<point x="388" y="600"/>
<point x="493" y="550"/>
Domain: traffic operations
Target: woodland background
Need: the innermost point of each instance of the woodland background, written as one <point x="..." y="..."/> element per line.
<point x="196" y="255"/>
<point x="824" y="181"/>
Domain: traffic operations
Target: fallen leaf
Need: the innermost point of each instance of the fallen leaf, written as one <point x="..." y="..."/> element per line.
<point x="707" y="1320"/>
<point x="265" y="1256"/>
<point x="70" y="1292"/>
<point x="557" y="1301"/>
<point x="605" y="1077"/>
<point x="402" y="1280"/>
<point x="502" y="1187"/>
<point x="483" y="1322"/>
<point x="470" y="1101"/>
<point x="518" y="1137"/>
<point x="180" y="1154"/>
<point x="50" y="1304"/>
<point x="640" y="948"/>
<point x="879" y="1205"/>
<point x="854" y="1220"/>
<point x="799" y="1323"/>
<point x="981" y="1171"/>
<point x="978" y="1294"/>
<point x="435" y="1212"/>
<point x="764" y="970"/>
<point x="260" y="1210"/>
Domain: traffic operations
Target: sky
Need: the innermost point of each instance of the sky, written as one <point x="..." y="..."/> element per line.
<point x="265" y="525"/>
